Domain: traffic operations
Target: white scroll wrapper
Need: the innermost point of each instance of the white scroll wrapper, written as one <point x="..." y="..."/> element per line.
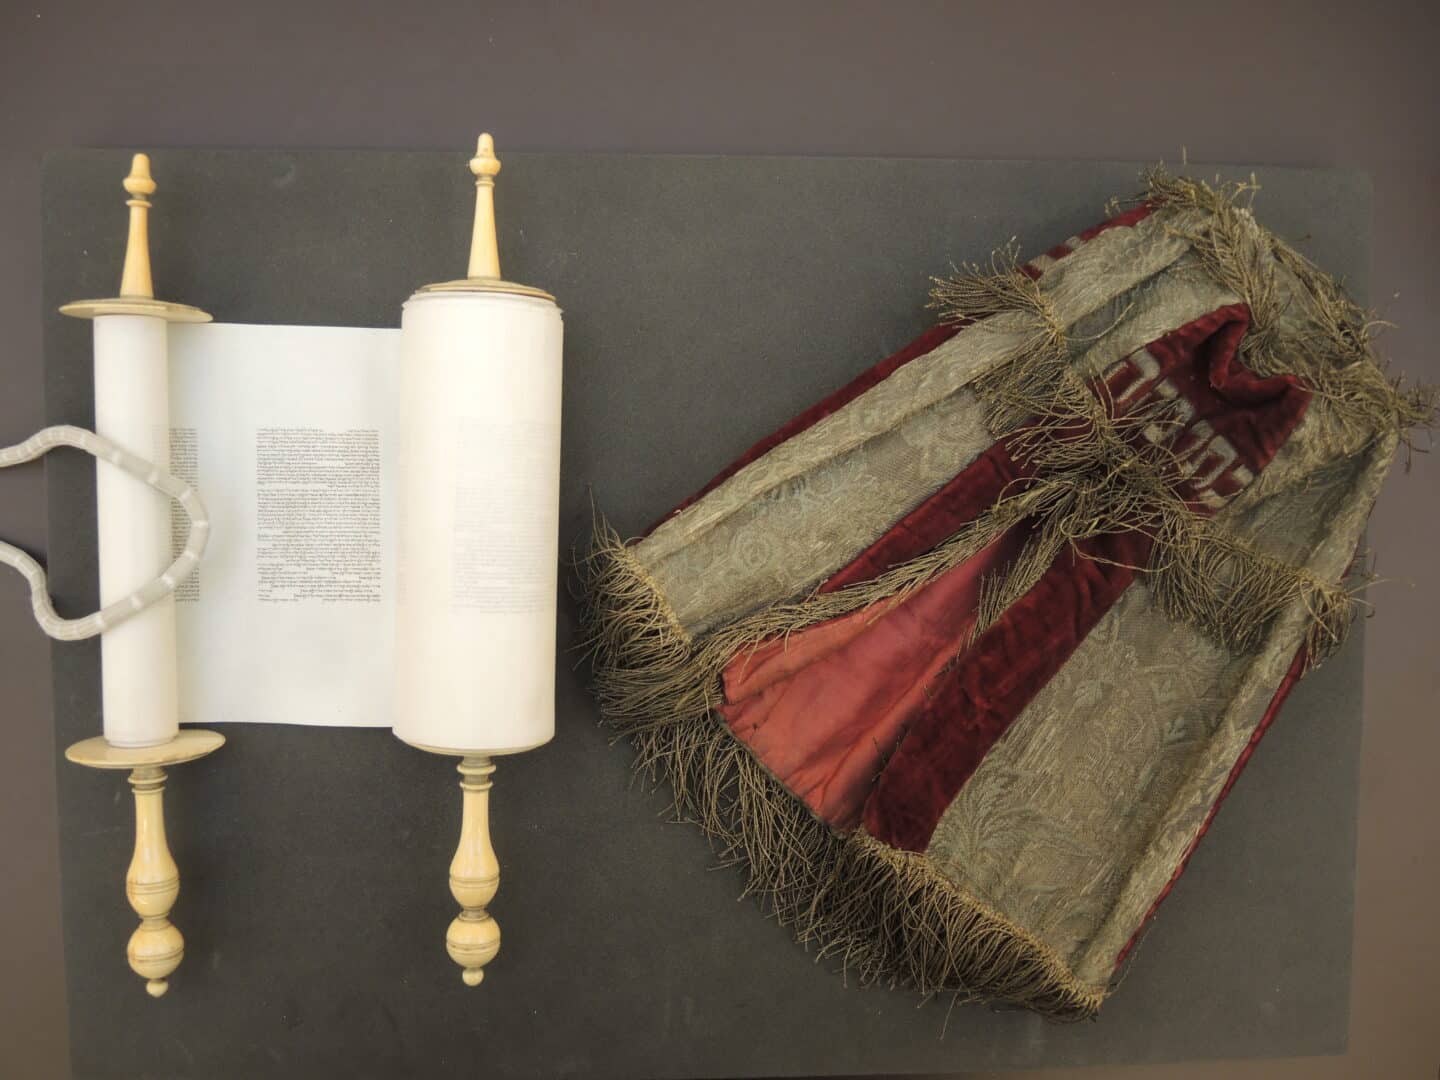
<point x="132" y="410"/>
<point x="478" y="521"/>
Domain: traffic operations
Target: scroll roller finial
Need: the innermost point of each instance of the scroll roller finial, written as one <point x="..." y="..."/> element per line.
<point x="135" y="282"/>
<point x="484" y="250"/>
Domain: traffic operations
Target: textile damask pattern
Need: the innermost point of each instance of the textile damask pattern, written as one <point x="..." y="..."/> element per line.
<point x="1060" y="812"/>
<point x="887" y="448"/>
<point x="805" y="526"/>
<point x="959" y="663"/>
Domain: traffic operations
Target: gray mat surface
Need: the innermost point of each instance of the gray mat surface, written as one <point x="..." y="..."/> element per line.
<point x="706" y="301"/>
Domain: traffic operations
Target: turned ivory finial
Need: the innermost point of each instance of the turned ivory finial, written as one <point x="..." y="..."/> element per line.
<point x="474" y="937"/>
<point x="484" y="250"/>
<point x="137" y="290"/>
<point x="151" y="885"/>
<point x="153" y="881"/>
<point x="483" y="275"/>
<point x="135" y="282"/>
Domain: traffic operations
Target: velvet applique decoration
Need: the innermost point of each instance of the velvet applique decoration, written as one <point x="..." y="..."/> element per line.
<point x="959" y="663"/>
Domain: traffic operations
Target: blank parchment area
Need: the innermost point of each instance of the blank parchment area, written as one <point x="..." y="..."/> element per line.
<point x="706" y="300"/>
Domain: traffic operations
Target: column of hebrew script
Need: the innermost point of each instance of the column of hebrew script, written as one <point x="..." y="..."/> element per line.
<point x="290" y="433"/>
<point x="317" y="515"/>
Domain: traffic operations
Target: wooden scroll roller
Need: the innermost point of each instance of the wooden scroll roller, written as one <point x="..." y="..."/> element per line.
<point x="474" y="937"/>
<point x="476" y="672"/>
<point x="139" y="652"/>
<point x="152" y="884"/>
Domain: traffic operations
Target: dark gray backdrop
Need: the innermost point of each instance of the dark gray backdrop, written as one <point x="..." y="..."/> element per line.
<point x="706" y="301"/>
<point x="1326" y="82"/>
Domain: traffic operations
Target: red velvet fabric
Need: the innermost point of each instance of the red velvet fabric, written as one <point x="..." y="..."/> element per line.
<point x="958" y="503"/>
<point x="825" y="708"/>
<point x="821" y="710"/>
<point x="989" y="685"/>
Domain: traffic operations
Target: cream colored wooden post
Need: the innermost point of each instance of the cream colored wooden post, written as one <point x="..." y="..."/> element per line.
<point x="152" y="886"/>
<point x="153" y="881"/>
<point x="137" y="288"/>
<point x="135" y="281"/>
<point x="474" y="937"/>
<point x="484" y="248"/>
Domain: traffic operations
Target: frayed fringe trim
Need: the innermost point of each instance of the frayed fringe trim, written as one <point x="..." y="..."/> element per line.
<point x="1094" y="478"/>
<point x="1334" y="355"/>
<point x="887" y="916"/>
<point x="1204" y="578"/>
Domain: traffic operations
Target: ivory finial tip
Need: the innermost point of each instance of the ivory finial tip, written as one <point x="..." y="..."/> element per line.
<point x="484" y="163"/>
<point x="156" y="987"/>
<point x="472" y="976"/>
<point x="139" y="181"/>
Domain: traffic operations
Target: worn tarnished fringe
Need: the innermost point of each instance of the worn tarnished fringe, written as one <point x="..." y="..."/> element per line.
<point x="885" y="915"/>
<point x="1102" y="480"/>
<point x="1331" y="350"/>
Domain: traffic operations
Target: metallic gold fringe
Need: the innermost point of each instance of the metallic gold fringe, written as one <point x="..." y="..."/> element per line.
<point x="1334" y="355"/>
<point x="1094" y="478"/>
<point x="886" y="915"/>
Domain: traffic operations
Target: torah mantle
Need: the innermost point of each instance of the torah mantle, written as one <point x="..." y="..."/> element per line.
<point x="959" y="664"/>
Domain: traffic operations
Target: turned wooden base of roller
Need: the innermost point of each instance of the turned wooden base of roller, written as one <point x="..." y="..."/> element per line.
<point x="474" y="937"/>
<point x="152" y="883"/>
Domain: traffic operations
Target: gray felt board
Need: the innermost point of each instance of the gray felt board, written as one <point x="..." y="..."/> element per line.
<point x="707" y="300"/>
